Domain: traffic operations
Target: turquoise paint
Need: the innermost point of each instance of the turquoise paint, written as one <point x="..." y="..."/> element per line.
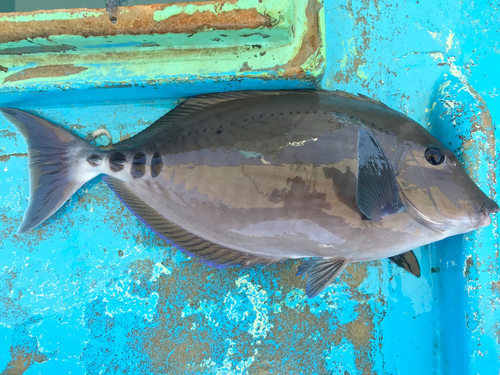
<point x="70" y="295"/>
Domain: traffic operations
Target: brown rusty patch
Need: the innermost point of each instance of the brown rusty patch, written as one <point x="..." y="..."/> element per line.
<point x="4" y="158"/>
<point x="245" y="67"/>
<point x="4" y="69"/>
<point x="133" y="20"/>
<point x="361" y="17"/>
<point x="21" y="360"/>
<point x="311" y="43"/>
<point x="495" y="287"/>
<point x="45" y="71"/>
<point x="469" y="263"/>
<point x="5" y="133"/>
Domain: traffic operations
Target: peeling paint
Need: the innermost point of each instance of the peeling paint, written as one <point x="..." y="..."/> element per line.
<point x="44" y="71"/>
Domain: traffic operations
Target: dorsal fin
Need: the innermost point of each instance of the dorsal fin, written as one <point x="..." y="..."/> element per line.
<point x="201" y="102"/>
<point x="209" y="253"/>
<point x="190" y="106"/>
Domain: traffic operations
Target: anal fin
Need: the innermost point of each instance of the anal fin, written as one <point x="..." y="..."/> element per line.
<point x="321" y="273"/>
<point x="408" y="261"/>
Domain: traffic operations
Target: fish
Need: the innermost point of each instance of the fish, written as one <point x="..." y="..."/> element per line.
<point x="257" y="177"/>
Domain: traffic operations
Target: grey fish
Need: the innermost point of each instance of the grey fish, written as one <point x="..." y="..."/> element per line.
<point x="248" y="178"/>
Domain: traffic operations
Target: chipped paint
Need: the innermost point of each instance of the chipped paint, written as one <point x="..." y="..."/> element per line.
<point x="246" y="39"/>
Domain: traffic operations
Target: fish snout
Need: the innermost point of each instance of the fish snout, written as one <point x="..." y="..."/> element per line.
<point x="489" y="207"/>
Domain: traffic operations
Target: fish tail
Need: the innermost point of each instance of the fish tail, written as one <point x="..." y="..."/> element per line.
<point x="59" y="164"/>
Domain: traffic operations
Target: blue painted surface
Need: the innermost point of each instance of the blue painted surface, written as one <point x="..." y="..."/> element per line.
<point x="94" y="291"/>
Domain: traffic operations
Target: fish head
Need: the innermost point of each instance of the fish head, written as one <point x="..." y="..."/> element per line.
<point x="437" y="189"/>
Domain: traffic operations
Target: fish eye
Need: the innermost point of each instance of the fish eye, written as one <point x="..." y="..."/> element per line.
<point x="434" y="155"/>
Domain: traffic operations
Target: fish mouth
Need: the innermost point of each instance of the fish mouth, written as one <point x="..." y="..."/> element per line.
<point x="488" y="208"/>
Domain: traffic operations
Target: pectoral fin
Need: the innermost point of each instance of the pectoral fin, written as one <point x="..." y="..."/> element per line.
<point x="321" y="273"/>
<point x="408" y="261"/>
<point x="377" y="191"/>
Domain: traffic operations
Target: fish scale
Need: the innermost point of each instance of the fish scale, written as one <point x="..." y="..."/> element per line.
<point x="251" y="178"/>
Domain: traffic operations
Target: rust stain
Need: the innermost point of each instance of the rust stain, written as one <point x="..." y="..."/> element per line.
<point x="21" y="361"/>
<point x="245" y="67"/>
<point x="231" y="20"/>
<point x="361" y="22"/>
<point x="16" y="155"/>
<point x="45" y="71"/>
<point x="4" y="69"/>
<point x="133" y="20"/>
<point x="311" y="42"/>
<point x="5" y="133"/>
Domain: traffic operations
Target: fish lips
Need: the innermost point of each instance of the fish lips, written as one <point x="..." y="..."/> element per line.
<point x="488" y="208"/>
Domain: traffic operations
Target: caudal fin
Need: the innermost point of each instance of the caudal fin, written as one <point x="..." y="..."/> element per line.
<point x="57" y="163"/>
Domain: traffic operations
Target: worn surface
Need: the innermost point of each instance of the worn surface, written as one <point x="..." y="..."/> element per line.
<point x="93" y="291"/>
<point x="69" y="56"/>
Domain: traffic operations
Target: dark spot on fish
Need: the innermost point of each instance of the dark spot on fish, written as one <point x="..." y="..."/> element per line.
<point x="344" y="185"/>
<point x="223" y="35"/>
<point x="94" y="160"/>
<point x="281" y="113"/>
<point x="303" y="200"/>
<point x="277" y="195"/>
<point x="435" y="269"/>
<point x="298" y="112"/>
<point x="138" y="165"/>
<point x="260" y="116"/>
<point x="183" y="136"/>
<point x="219" y="131"/>
<point x="204" y="130"/>
<point x="245" y="119"/>
<point x="116" y="161"/>
<point x="189" y="133"/>
<point x="216" y="40"/>
<point x="156" y="164"/>
<point x="307" y="111"/>
<point x="291" y="112"/>
<point x="220" y="126"/>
